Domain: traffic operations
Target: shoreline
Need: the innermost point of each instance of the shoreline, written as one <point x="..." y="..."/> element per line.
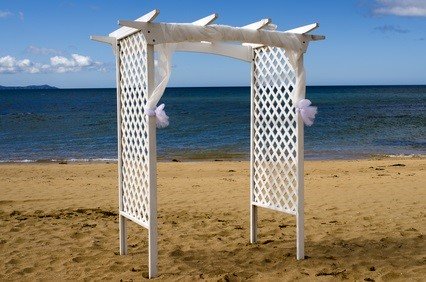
<point x="218" y="159"/>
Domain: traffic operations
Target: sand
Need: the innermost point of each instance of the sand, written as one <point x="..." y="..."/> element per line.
<point x="365" y="220"/>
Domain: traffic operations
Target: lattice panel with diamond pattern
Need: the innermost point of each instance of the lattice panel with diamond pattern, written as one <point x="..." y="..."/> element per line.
<point x="134" y="128"/>
<point x="274" y="131"/>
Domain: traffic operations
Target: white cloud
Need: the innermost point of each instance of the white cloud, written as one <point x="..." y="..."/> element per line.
<point x="42" y="51"/>
<point x="75" y="63"/>
<point x="21" y="16"/>
<point x="82" y="60"/>
<point x="58" y="64"/>
<point x="9" y="64"/>
<point x="407" y="8"/>
<point x="61" y="61"/>
<point x="5" y="14"/>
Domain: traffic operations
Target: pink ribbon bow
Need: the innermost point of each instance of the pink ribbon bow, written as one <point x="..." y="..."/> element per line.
<point x="162" y="119"/>
<point x="307" y="112"/>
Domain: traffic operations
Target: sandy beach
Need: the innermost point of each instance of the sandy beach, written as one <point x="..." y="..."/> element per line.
<point x="365" y="220"/>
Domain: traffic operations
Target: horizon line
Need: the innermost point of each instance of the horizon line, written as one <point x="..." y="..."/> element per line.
<point x="233" y="86"/>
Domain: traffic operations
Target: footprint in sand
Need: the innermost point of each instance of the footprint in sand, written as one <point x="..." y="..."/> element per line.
<point x="76" y="235"/>
<point x="26" y="270"/>
<point x="77" y="259"/>
<point x="177" y="253"/>
<point x="12" y="261"/>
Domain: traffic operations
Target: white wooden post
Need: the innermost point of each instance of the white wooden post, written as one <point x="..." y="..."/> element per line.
<point x="152" y="230"/>
<point x="121" y="219"/>
<point x="253" y="208"/>
<point x="300" y="213"/>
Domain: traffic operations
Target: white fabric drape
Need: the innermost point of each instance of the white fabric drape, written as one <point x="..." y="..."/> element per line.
<point x="303" y="106"/>
<point x="163" y="68"/>
<point x="172" y="32"/>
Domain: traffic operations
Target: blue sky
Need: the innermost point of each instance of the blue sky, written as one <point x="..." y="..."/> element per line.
<point x="368" y="42"/>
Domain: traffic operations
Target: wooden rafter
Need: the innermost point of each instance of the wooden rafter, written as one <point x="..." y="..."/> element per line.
<point x="303" y="29"/>
<point x="126" y="31"/>
<point x="258" y="25"/>
<point x="206" y="20"/>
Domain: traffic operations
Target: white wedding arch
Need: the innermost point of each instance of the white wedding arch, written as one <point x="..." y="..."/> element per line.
<point x="278" y="111"/>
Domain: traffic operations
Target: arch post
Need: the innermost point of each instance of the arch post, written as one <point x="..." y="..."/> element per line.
<point x="121" y="219"/>
<point x="300" y="145"/>
<point x="253" y="207"/>
<point x="152" y="171"/>
<point x="300" y="214"/>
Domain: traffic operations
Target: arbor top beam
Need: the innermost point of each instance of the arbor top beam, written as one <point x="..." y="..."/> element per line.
<point x="202" y="30"/>
<point x="158" y="33"/>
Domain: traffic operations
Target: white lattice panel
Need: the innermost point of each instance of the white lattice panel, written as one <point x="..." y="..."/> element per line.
<point x="274" y="131"/>
<point x="134" y="128"/>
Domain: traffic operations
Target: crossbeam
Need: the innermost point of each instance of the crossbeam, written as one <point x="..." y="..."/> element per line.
<point x="158" y="33"/>
<point x="303" y="29"/>
<point x="126" y="31"/>
<point x="206" y="20"/>
<point x="229" y="50"/>
<point x="106" y="39"/>
<point x="258" y="25"/>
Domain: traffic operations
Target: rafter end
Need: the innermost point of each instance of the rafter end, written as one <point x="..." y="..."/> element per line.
<point x="317" y="37"/>
<point x="104" y="39"/>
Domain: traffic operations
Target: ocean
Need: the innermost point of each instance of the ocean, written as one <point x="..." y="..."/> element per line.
<point x="210" y="123"/>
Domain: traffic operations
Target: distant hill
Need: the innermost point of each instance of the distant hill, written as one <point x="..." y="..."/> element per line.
<point x="45" y="86"/>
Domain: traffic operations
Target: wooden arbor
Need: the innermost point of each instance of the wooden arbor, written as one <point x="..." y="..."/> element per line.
<point x="277" y="85"/>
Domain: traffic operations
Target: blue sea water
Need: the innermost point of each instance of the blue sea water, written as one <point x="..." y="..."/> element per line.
<point x="210" y="123"/>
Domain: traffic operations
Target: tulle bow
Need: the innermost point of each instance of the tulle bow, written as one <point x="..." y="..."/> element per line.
<point x="162" y="119"/>
<point x="307" y="111"/>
